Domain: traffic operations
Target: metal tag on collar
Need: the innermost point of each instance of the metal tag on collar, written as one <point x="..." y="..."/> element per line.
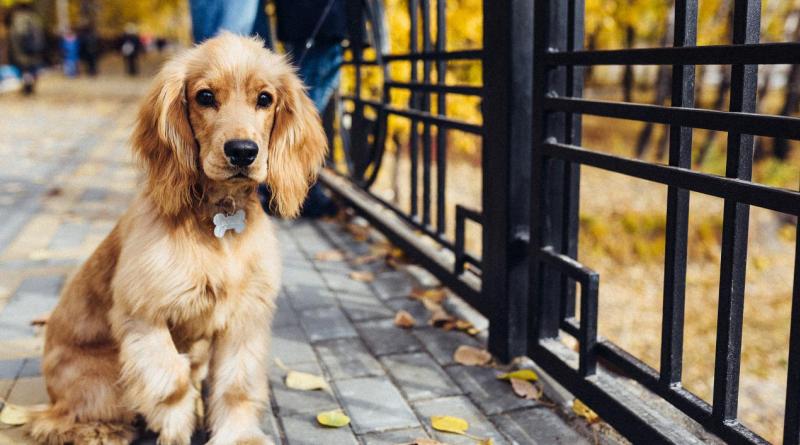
<point x="223" y="223"/>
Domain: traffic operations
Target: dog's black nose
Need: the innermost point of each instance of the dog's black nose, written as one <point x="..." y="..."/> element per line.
<point x="241" y="152"/>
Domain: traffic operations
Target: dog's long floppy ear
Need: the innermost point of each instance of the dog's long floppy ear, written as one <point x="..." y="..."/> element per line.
<point x="164" y="143"/>
<point x="298" y="147"/>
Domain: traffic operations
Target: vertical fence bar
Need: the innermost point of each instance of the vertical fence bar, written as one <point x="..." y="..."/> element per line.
<point x="587" y="364"/>
<point x="677" y="230"/>
<point x="426" y="106"/>
<point x="507" y="63"/>
<point x="744" y="83"/>
<point x="413" y="142"/>
<point x="572" y="171"/>
<point x="441" y="109"/>
<point x="548" y="178"/>
<point x="791" y="423"/>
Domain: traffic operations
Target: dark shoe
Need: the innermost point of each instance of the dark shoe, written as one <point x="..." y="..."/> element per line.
<point x="318" y="204"/>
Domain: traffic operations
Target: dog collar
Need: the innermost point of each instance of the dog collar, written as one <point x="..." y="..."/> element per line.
<point x="223" y="223"/>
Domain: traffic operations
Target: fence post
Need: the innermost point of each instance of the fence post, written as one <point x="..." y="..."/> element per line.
<point x="507" y="77"/>
<point x="555" y="183"/>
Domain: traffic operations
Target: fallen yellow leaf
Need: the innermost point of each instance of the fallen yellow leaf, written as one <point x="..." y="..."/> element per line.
<point x="471" y="356"/>
<point x="365" y="259"/>
<point x="15" y="415"/>
<point x="487" y="441"/>
<point x="334" y="419"/>
<point x="404" y="320"/>
<point x="449" y="424"/>
<point x="436" y="294"/>
<point x="463" y="325"/>
<point x="525" y="389"/>
<point x="521" y="374"/>
<point x="364" y="277"/>
<point x="305" y="381"/>
<point x="584" y="411"/>
<point x="329" y="255"/>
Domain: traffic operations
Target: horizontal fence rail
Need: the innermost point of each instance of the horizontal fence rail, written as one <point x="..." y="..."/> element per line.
<point x="528" y="279"/>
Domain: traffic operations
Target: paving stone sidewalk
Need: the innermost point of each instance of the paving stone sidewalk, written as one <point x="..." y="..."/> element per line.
<point x="71" y="178"/>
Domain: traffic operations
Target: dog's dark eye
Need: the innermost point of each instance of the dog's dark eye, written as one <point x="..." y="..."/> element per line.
<point x="205" y="98"/>
<point x="264" y="100"/>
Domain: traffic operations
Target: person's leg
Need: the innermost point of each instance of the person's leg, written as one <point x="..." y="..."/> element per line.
<point x="320" y="72"/>
<point x="205" y="18"/>
<point x="238" y="16"/>
<point x="261" y="26"/>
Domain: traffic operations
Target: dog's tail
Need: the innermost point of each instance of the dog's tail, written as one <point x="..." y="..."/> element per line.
<point x="54" y="426"/>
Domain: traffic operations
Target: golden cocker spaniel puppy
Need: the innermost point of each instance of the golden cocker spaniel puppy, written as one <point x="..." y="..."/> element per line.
<point x="183" y="288"/>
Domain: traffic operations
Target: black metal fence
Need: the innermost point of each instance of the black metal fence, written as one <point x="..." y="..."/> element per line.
<point x="525" y="281"/>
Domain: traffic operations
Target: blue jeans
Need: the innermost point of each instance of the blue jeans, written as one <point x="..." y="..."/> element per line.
<point x="319" y="69"/>
<point x="209" y="17"/>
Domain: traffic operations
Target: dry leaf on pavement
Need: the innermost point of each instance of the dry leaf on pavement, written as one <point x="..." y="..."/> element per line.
<point x="404" y="320"/>
<point x="449" y="424"/>
<point x="329" y="255"/>
<point x="472" y="356"/>
<point x="436" y="294"/>
<point x="365" y="259"/>
<point x="334" y="419"/>
<point x="16" y="415"/>
<point x="364" y="277"/>
<point x="525" y="389"/>
<point x="457" y="425"/>
<point x="305" y="381"/>
<point x="584" y="411"/>
<point x="521" y="374"/>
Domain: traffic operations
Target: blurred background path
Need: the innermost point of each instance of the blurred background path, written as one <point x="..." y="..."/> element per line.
<point x="66" y="177"/>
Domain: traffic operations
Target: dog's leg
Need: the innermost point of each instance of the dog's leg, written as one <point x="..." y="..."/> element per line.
<point x="238" y="384"/>
<point x="157" y="380"/>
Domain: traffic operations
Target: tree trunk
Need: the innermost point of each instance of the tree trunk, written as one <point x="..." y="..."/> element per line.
<point x="662" y="90"/>
<point x="722" y="93"/>
<point x="627" y="77"/>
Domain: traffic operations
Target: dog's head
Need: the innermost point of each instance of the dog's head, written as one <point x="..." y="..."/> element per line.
<point x="229" y="111"/>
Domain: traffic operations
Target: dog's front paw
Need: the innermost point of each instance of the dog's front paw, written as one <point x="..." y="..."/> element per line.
<point x="175" y="423"/>
<point x="249" y="437"/>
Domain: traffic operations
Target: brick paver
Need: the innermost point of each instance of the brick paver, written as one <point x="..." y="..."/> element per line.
<point x="71" y="178"/>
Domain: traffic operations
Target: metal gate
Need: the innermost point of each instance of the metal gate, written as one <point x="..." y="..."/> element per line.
<point x="525" y="281"/>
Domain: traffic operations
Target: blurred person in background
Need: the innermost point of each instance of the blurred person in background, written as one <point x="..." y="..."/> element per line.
<point x="70" y="49"/>
<point x="27" y="43"/>
<point x="89" y="47"/>
<point x="131" y="47"/>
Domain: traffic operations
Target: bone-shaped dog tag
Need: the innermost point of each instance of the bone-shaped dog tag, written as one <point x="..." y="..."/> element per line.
<point x="223" y="223"/>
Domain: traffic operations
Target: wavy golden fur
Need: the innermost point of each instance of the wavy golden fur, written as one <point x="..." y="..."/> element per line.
<point x="163" y="305"/>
